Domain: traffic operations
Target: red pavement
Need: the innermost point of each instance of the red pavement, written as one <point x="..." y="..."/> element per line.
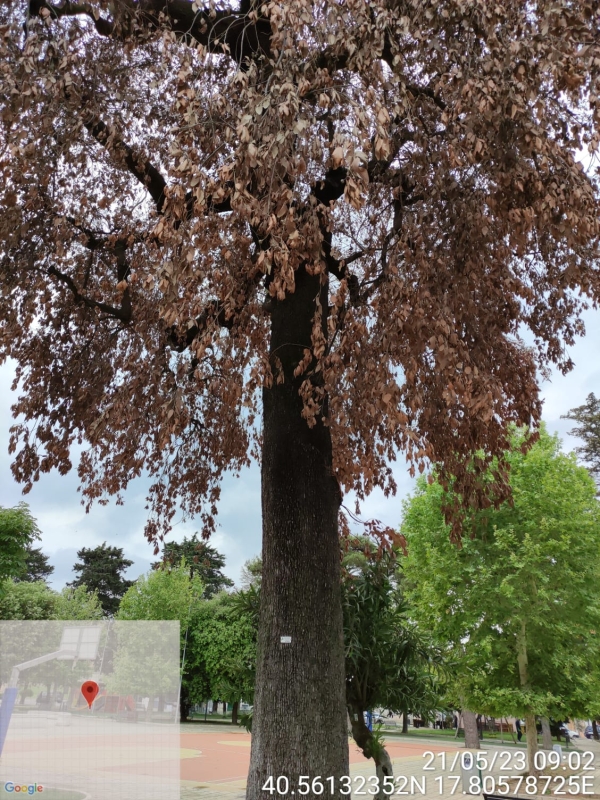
<point x="225" y="756"/>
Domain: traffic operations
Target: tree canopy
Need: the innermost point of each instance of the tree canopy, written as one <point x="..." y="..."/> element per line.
<point x="201" y="559"/>
<point x="518" y="604"/>
<point x="171" y="594"/>
<point x="18" y="529"/>
<point x="37" y="565"/>
<point x="169" y="169"/>
<point x="162" y="595"/>
<point x="223" y="648"/>
<point x="587" y="418"/>
<point x="100" y="570"/>
<point x="35" y="600"/>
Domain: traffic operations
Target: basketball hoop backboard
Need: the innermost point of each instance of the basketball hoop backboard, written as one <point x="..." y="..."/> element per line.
<point x="80" y="642"/>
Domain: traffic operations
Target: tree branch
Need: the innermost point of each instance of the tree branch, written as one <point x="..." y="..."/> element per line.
<point x="225" y="31"/>
<point x="123" y="313"/>
<point x="141" y="168"/>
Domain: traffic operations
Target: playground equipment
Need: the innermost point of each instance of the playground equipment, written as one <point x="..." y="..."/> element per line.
<point x="78" y="643"/>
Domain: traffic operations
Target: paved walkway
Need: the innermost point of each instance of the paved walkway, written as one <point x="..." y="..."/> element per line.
<point x="218" y="768"/>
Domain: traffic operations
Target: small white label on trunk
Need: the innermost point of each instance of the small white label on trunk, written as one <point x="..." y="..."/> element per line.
<point x="286" y="640"/>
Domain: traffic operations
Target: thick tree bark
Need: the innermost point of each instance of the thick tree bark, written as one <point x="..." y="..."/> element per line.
<point x="405" y="722"/>
<point x="595" y="730"/>
<point x="234" y="712"/>
<point x="546" y="734"/>
<point x="299" y="724"/>
<point x="471" y="730"/>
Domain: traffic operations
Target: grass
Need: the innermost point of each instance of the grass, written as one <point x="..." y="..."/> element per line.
<point x="446" y="734"/>
<point x="198" y="717"/>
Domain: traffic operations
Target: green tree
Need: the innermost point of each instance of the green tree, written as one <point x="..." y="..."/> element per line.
<point x="588" y="418"/>
<point x="100" y="571"/>
<point x="37" y="566"/>
<point x="35" y="600"/>
<point x="224" y="641"/>
<point x="251" y="573"/>
<point x="202" y="560"/>
<point x="18" y="529"/>
<point x="518" y="604"/>
<point x="162" y="595"/>
<point x="389" y="662"/>
<point x="171" y="594"/>
<point x="147" y="660"/>
<point x="77" y="603"/>
<point x="28" y="600"/>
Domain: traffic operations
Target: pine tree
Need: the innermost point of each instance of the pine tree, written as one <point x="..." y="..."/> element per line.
<point x="203" y="561"/>
<point x="37" y="566"/>
<point x="588" y="429"/>
<point x="100" y="570"/>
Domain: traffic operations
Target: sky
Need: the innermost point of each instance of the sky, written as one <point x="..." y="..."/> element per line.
<point x="65" y="526"/>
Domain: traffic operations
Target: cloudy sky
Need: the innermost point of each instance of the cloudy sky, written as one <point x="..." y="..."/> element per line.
<point x="66" y="527"/>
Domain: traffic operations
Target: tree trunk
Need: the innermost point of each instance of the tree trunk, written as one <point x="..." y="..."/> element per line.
<point x="299" y="722"/>
<point x="595" y="730"/>
<point x="24" y="692"/>
<point x="405" y="722"/>
<point x="531" y="733"/>
<point x="372" y="749"/>
<point x="184" y="707"/>
<point x="546" y="734"/>
<point x="471" y="730"/>
<point x="234" y="712"/>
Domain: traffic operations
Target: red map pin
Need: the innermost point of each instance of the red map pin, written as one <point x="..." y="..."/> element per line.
<point x="89" y="690"/>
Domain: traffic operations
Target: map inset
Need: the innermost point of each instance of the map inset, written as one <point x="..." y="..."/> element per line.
<point x="89" y="710"/>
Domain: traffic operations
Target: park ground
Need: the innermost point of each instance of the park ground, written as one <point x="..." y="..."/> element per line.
<point x="210" y="761"/>
<point x="218" y="768"/>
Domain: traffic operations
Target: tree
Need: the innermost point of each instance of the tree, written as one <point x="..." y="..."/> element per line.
<point x="163" y="595"/>
<point x="201" y="559"/>
<point x="309" y="232"/>
<point x="588" y="418"/>
<point x="37" y="566"/>
<point x="167" y="595"/>
<point x="78" y="604"/>
<point x="27" y="600"/>
<point x="18" y="529"/>
<point x="100" y="571"/>
<point x="35" y="600"/>
<point x="389" y="662"/>
<point x="251" y="573"/>
<point x="518" y="604"/>
<point x="224" y="640"/>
